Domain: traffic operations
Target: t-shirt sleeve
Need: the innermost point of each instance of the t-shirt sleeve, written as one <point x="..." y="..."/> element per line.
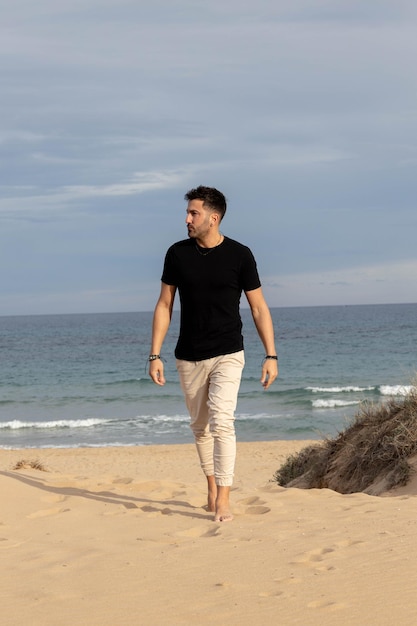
<point x="169" y="276"/>
<point x="249" y="276"/>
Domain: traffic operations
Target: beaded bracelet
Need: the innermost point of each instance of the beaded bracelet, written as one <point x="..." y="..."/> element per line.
<point x="153" y="357"/>
<point x="271" y="356"/>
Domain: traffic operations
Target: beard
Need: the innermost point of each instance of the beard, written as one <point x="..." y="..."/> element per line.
<point x="198" y="232"/>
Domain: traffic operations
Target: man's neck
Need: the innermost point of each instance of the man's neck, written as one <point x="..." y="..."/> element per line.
<point x="210" y="241"/>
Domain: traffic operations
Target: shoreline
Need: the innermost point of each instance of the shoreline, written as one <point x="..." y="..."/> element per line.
<point x="119" y="535"/>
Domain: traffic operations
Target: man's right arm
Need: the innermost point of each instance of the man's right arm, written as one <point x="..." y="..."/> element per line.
<point x="161" y="321"/>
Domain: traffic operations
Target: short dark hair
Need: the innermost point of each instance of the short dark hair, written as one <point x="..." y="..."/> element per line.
<point x="212" y="198"/>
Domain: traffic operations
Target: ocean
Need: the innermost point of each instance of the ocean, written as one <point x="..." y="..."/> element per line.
<point x="81" y="380"/>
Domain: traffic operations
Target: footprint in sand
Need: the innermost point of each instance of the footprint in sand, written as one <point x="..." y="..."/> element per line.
<point x="255" y="506"/>
<point x="47" y="512"/>
<point x="54" y="499"/>
<point x="326" y="606"/>
<point x="251" y="500"/>
<point x="10" y="545"/>
<point x="122" y="481"/>
<point x="292" y="580"/>
<point x="270" y="594"/>
<point x="199" y="531"/>
<point x="257" y="510"/>
<point x="316" y="558"/>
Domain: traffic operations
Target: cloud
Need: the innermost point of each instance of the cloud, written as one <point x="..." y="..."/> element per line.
<point x="140" y="183"/>
<point x="28" y="201"/>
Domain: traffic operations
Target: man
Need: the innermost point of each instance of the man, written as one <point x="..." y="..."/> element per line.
<point x="210" y="272"/>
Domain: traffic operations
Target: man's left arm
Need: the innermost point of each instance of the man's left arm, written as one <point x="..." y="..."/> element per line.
<point x="263" y="322"/>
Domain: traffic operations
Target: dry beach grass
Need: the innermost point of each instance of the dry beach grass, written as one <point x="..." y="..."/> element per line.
<point x="374" y="454"/>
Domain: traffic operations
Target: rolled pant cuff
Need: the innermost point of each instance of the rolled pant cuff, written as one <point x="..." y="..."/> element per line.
<point x="224" y="482"/>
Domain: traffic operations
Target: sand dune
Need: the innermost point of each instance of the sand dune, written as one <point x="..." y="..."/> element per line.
<point x="119" y="536"/>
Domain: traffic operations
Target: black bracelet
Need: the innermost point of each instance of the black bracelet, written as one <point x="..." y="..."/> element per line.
<point x="271" y="356"/>
<point x="153" y="357"/>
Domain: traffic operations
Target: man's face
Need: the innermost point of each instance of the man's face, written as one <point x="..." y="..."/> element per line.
<point x="198" y="219"/>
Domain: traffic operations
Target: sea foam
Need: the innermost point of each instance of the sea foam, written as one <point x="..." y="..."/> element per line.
<point x="331" y="404"/>
<point x="396" y="390"/>
<point x="87" y="423"/>
<point x="338" y="389"/>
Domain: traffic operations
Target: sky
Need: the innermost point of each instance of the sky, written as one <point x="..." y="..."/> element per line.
<point x="304" y="113"/>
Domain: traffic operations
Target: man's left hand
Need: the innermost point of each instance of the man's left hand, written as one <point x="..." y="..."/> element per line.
<point x="269" y="372"/>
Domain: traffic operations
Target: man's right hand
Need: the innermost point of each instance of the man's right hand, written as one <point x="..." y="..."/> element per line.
<point x="156" y="372"/>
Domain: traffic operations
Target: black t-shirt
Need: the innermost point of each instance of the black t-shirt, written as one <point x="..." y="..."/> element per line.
<point x="210" y="283"/>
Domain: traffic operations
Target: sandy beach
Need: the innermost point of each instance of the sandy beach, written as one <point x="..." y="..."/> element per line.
<point x="120" y="536"/>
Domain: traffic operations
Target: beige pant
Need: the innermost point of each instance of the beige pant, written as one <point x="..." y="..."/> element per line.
<point x="210" y="388"/>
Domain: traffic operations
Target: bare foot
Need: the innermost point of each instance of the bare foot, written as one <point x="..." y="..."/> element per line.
<point x="222" y="510"/>
<point x="223" y="517"/>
